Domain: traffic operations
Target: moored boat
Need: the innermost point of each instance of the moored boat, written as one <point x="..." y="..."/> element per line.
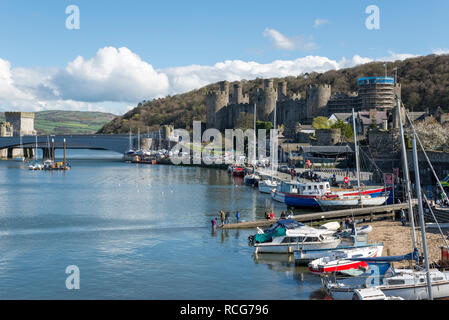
<point x="278" y="194"/>
<point x="343" y="259"/>
<point x="337" y="202"/>
<point x="289" y="235"/>
<point x="265" y="186"/>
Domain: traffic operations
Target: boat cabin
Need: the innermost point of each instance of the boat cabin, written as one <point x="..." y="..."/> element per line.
<point x="314" y="188"/>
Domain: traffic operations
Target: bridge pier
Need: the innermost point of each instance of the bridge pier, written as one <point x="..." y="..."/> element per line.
<point x="11" y="153"/>
<point x="47" y="153"/>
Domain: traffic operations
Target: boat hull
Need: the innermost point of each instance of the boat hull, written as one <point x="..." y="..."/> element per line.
<point x="419" y="292"/>
<point x="290" y="248"/>
<point x="300" y="201"/>
<point x="278" y="196"/>
<point x="266" y="186"/>
<point x="306" y="256"/>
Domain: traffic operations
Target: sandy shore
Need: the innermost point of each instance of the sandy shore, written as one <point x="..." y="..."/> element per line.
<point x="397" y="239"/>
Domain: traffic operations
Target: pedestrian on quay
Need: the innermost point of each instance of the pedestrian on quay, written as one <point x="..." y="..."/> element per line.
<point x="290" y="215"/>
<point x="283" y="215"/>
<point x="214" y="223"/>
<point x="271" y="215"/>
<point x="347" y="222"/>
<point x="403" y="218"/>
<point x="223" y="216"/>
<point x="227" y="217"/>
<point x="237" y="216"/>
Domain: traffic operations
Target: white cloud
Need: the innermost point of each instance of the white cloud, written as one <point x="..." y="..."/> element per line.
<point x="440" y="51"/>
<point x="281" y="41"/>
<point x="318" y="22"/>
<point x="114" y="80"/>
<point x="118" y="75"/>
<point x="393" y="56"/>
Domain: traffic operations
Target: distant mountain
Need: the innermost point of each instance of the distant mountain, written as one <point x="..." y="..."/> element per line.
<point x="69" y="122"/>
<point x="424" y="80"/>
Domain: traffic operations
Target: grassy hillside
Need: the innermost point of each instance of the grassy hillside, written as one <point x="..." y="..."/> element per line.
<point x="69" y="122"/>
<point x="424" y="80"/>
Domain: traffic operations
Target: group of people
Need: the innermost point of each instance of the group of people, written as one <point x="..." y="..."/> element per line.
<point x="270" y="216"/>
<point x="224" y="218"/>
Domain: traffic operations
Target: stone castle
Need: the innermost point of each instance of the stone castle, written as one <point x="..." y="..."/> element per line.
<point x="224" y="108"/>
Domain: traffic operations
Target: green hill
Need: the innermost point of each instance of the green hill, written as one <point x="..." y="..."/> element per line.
<point x="69" y="122"/>
<point x="424" y="80"/>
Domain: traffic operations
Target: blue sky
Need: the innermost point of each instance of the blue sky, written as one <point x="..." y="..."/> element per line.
<point x="177" y="45"/>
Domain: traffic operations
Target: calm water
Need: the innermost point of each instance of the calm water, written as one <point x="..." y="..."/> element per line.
<point x="135" y="232"/>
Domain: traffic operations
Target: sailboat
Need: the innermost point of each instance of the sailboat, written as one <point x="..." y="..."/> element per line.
<point x="35" y="165"/>
<point x="410" y="284"/>
<point x="252" y="178"/>
<point x="265" y="186"/>
<point x="131" y="153"/>
<point x="337" y="202"/>
<point x="20" y="158"/>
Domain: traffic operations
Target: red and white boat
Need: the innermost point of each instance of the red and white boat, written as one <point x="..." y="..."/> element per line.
<point x="338" y="260"/>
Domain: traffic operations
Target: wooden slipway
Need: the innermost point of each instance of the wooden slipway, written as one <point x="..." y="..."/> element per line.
<point x="370" y="213"/>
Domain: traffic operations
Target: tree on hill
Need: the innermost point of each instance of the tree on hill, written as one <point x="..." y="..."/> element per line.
<point x="424" y="82"/>
<point x="321" y="123"/>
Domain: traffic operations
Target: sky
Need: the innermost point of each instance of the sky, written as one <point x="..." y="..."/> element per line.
<point x="123" y="52"/>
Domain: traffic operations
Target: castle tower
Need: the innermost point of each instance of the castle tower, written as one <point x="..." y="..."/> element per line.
<point x="282" y="90"/>
<point x="268" y="101"/>
<point x="317" y="99"/>
<point x="22" y="122"/>
<point x="215" y="101"/>
<point x="237" y="96"/>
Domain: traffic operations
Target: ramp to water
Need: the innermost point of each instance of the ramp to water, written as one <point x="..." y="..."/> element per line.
<point x="387" y="210"/>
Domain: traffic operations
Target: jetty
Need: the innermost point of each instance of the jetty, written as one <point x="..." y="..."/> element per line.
<point x="363" y="213"/>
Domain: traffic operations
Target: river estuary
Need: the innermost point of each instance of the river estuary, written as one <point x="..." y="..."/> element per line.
<point x="135" y="232"/>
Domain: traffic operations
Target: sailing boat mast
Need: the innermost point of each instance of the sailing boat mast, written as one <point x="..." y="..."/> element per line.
<point x="65" y="164"/>
<point x="254" y="161"/>
<point x="272" y="142"/>
<point x="421" y="216"/>
<point x="356" y="152"/>
<point x="35" y="151"/>
<point x="406" y="173"/>
<point x="138" y="138"/>
<point x="130" y="140"/>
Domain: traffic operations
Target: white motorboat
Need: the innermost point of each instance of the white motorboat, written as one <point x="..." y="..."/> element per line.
<point x="405" y="283"/>
<point x="337" y="202"/>
<point x="338" y="260"/>
<point x="251" y="179"/>
<point x="36" y="166"/>
<point x="265" y="186"/>
<point x="288" y="235"/>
